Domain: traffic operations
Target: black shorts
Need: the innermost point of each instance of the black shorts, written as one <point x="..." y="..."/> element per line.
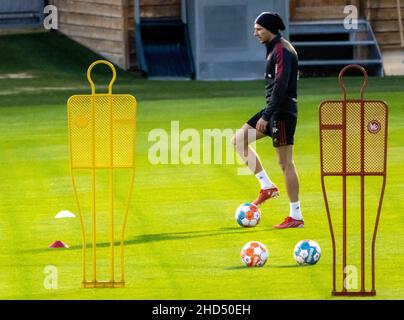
<point x="281" y="127"/>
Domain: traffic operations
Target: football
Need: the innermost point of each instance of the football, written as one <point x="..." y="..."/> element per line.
<point x="307" y="252"/>
<point x="254" y="254"/>
<point x="248" y="215"/>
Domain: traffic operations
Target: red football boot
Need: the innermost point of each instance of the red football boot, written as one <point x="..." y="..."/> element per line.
<point x="266" y="194"/>
<point x="289" y="222"/>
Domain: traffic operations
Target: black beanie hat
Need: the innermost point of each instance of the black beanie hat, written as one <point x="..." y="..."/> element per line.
<point x="270" y="21"/>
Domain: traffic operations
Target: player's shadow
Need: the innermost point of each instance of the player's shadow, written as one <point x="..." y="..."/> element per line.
<point x="287" y="266"/>
<point x="235" y="268"/>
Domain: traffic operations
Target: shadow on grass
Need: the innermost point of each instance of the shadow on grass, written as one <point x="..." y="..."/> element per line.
<point x="156" y="237"/>
<point x="236" y="268"/>
<point x="269" y="266"/>
<point x="286" y="266"/>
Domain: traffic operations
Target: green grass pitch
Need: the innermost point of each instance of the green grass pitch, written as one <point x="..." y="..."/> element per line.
<point x="182" y="239"/>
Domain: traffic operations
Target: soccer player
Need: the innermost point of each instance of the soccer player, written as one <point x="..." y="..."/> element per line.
<point x="278" y="119"/>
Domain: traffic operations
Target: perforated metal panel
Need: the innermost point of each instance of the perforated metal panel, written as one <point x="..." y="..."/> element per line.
<point x="372" y="124"/>
<point x="111" y="142"/>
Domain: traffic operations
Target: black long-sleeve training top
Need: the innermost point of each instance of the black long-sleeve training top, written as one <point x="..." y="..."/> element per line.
<point x="281" y="73"/>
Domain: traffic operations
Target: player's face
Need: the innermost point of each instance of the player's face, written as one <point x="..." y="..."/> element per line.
<point x="261" y="33"/>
